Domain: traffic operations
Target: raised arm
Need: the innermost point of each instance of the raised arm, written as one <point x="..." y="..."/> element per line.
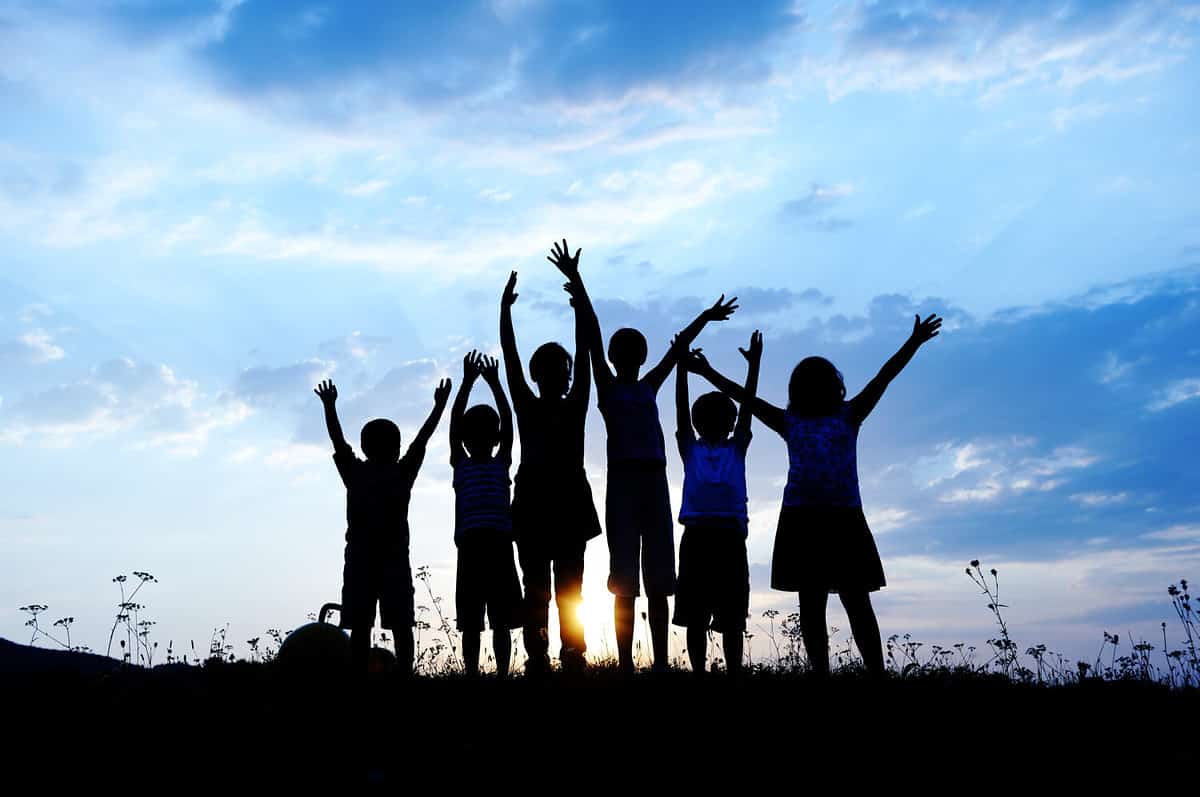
<point x="753" y="355"/>
<point x="587" y="324"/>
<point x="720" y="311"/>
<point x="683" y="407"/>
<point x="327" y="392"/>
<point x="470" y="372"/>
<point x="923" y="332"/>
<point x="441" y="395"/>
<point x="513" y="369"/>
<point x="489" y="369"/>
<point x="766" y="412"/>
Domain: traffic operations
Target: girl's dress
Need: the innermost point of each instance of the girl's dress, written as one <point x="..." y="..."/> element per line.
<point x="823" y="542"/>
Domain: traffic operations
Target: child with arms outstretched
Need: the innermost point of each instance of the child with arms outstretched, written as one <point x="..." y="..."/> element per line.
<point x="823" y="543"/>
<point x="378" y="489"/>
<point x="714" y="572"/>
<point x="637" y="506"/>
<point x="481" y="440"/>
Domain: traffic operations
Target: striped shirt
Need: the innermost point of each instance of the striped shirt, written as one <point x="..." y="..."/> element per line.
<point x="481" y="497"/>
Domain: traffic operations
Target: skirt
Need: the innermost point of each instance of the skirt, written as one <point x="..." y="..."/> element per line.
<point x="827" y="549"/>
<point x="549" y="506"/>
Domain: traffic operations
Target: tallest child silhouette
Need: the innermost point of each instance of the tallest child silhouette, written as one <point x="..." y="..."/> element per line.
<point x="553" y="515"/>
<point x="637" y="506"/>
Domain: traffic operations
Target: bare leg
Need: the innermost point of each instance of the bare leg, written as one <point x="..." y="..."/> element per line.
<point x="865" y="627"/>
<point x="660" y="624"/>
<point x="360" y="648"/>
<point x="814" y="630"/>
<point x="697" y="644"/>
<point x="623" y="619"/>
<point x="470" y="643"/>
<point x="732" y="642"/>
<point x="502" y="647"/>
<point x="402" y="639"/>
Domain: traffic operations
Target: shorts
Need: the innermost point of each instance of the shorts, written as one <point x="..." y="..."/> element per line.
<point x="385" y="577"/>
<point x="714" y="579"/>
<point x="486" y="582"/>
<point x="639" y="524"/>
<point x="825" y="549"/>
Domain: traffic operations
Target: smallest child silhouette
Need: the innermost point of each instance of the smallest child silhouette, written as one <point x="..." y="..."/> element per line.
<point x="487" y="579"/>
<point x="378" y="489"/>
<point x="713" y="589"/>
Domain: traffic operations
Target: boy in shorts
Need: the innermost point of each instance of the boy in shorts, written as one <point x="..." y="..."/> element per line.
<point x="714" y="574"/>
<point x="637" y="506"/>
<point x="377" y="495"/>
<point x="487" y="573"/>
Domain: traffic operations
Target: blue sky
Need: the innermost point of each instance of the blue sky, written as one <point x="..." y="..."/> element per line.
<point x="205" y="207"/>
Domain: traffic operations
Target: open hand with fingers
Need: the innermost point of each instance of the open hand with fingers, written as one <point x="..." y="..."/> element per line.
<point x="927" y="330"/>
<point x="510" y="291"/>
<point x="696" y="362"/>
<point x="470" y="366"/>
<point x="442" y="392"/>
<point x="754" y="353"/>
<point x="326" y="391"/>
<point x="561" y="257"/>
<point x="721" y="309"/>
<point x="489" y="368"/>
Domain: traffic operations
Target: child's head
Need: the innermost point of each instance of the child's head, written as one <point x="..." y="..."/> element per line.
<point x="380" y="440"/>
<point x="480" y="431"/>
<point x="627" y="350"/>
<point x="714" y="415"/>
<point x="816" y="387"/>
<point x="550" y="368"/>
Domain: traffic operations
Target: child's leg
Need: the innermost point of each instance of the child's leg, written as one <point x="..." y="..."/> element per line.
<point x="660" y="621"/>
<point x="623" y="620"/>
<point x="697" y="644"/>
<point x="360" y="647"/>
<point x="502" y="646"/>
<point x="535" y="570"/>
<point x="402" y="640"/>
<point x="732" y="642"/>
<point x="470" y="642"/>
<point x="865" y="628"/>
<point x="568" y="594"/>
<point x="814" y="630"/>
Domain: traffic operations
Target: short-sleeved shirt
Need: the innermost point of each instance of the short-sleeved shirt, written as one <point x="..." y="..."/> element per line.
<point x="551" y="430"/>
<point x="377" y="496"/>
<point x="631" y="418"/>
<point x="822" y="459"/>
<point x="714" y="480"/>
<point x="482" y="497"/>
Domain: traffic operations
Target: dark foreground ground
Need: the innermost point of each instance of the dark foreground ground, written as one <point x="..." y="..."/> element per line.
<point x="235" y="727"/>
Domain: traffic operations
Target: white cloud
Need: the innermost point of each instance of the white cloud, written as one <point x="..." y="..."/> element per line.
<point x="1176" y="392"/>
<point x="368" y="188"/>
<point x="1067" y="116"/>
<point x="495" y="195"/>
<point x="1099" y="499"/>
<point x="888" y="518"/>
<point x="35" y="347"/>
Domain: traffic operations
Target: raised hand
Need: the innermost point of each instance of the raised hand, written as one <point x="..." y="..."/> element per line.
<point x="326" y="391"/>
<point x="489" y="369"/>
<point x="510" y="291"/>
<point x="927" y="330"/>
<point x="721" y="309"/>
<point x="560" y="256"/>
<point x="754" y="353"/>
<point x="442" y="392"/>
<point x="696" y="362"/>
<point x="470" y="365"/>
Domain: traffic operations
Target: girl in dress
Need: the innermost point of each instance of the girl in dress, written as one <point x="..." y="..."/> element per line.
<point x="823" y="544"/>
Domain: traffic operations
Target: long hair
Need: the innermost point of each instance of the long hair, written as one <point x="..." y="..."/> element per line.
<point x="816" y="388"/>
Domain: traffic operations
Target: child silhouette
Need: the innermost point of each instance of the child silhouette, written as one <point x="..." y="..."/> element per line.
<point x="823" y="543"/>
<point x="714" y="572"/>
<point x="552" y="510"/>
<point x="486" y="574"/>
<point x="377" y="535"/>
<point x="637" y="506"/>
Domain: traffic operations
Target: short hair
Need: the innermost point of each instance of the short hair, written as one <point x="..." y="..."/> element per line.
<point x="481" y="424"/>
<point x="548" y="358"/>
<point x="815" y="388"/>
<point x="380" y="440"/>
<point x="627" y="346"/>
<point x="714" y="415"/>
